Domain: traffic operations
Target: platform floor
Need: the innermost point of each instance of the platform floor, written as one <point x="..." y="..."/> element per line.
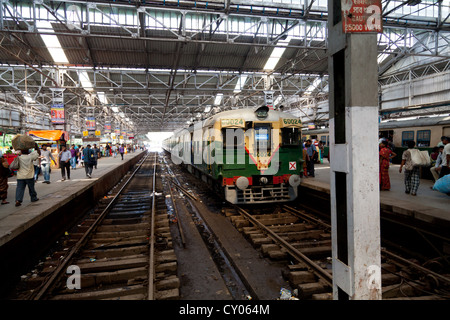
<point x="428" y="205"/>
<point x="44" y="190"/>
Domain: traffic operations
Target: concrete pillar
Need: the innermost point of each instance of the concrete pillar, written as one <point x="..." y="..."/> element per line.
<point x="354" y="172"/>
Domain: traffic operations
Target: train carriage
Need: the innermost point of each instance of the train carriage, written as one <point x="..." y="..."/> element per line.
<point x="251" y="156"/>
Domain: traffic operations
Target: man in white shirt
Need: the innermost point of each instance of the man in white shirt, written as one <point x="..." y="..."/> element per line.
<point x="45" y="163"/>
<point x="445" y="157"/>
<point x="64" y="162"/>
<point x="25" y="175"/>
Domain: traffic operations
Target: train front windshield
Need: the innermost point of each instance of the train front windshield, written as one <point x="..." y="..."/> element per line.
<point x="262" y="136"/>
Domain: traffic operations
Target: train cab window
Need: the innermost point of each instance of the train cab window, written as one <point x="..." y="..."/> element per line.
<point x="423" y="138"/>
<point x="233" y="138"/>
<point x="290" y="136"/>
<point x="407" y="136"/>
<point x="262" y="136"/>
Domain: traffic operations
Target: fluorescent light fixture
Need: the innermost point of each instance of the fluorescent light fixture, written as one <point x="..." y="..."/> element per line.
<point x="276" y="54"/>
<point x="218" y="99"/>
<point x="115" y="109"/>
<point x="240" y="84"/>
<point x="51" y="42"/>
<point x="207" y="109"/>
<point x="85" y="81"/>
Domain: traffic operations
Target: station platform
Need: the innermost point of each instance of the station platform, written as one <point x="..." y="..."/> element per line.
<point x="13" y="218"/>
<point x="428" y="205"/>
<point x="28" y="230"/>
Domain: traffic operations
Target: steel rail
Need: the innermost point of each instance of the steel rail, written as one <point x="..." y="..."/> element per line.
<point x="151" y="269"/>
<point x="412" y="264"/>
<point x="49" y="285"/>
<point x="296" y="254"/>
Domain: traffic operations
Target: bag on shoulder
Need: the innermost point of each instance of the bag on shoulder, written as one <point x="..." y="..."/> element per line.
<point x="15" y="164"/>
<point x="420" y="158"/>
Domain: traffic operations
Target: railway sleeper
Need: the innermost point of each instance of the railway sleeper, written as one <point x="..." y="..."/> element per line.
<point x="104" y="294"/>
<point x="406" y="289"/>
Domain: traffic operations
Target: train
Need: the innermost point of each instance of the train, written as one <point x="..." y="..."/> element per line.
<point x="426" y="132"/>
<point x="250" y="156"/>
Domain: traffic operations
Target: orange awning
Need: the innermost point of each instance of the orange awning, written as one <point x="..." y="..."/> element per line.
<point x="52" y="135"/>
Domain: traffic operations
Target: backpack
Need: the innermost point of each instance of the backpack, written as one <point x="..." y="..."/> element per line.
<point x="420" y="158"/>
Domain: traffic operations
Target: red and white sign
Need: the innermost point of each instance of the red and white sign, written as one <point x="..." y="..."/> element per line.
<point x="360" y="16"/>
<point x="292" y="165"/>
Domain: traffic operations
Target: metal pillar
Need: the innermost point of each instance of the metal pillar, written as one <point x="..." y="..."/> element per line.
<point x="354" y="165"/>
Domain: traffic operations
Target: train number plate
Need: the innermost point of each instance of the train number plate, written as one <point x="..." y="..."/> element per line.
<point x="292" y="165"/>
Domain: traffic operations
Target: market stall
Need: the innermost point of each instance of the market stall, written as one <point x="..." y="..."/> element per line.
<point x="54" y="139"/>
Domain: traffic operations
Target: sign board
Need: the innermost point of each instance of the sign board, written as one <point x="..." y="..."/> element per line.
<point x="85" y="133"/>
<point x="90" y="123"/>
<point x="361" y="16"/>
<point x="292" y="165"/>
<point x="57" y="113"/>
<point x="98" y="132"/>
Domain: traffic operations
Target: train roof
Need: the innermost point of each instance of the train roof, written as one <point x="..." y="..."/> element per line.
<point x="247" y="114"/>
<point x="421" y="122"/>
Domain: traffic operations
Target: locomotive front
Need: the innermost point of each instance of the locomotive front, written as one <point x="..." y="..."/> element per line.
<point x="262" y="156"/>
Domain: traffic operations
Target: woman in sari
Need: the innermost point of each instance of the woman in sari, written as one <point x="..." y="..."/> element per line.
<point x="385" y="155"/>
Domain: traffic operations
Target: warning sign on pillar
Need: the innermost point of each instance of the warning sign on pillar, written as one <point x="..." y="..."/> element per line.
<point x="360" y="16"/>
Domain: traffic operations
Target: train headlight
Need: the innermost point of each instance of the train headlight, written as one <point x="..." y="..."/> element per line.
<point x="264" y="180"/>
<point x="294" y="180"/>
<point x="242" y="183"/>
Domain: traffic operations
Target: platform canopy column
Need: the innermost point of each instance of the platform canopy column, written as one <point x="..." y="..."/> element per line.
<point x="354" y="180"/>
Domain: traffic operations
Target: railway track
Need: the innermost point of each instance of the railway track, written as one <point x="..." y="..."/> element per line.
<point x="305" y="241"/>
<point x="120" y="251"/>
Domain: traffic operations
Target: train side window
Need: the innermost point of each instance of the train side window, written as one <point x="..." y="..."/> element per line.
<point x="423" y="138"/>
<point x="407" y="136"/>
<point x="324" y="140"/>
<point x="290" y="137"/>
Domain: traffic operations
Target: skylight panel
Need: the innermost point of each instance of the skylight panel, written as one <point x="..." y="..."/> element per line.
<point x="102" y="97"/>
<point x="240" y="83"/>
<point x="276" y="54"/>
<point x="218" y="99"/>
<point x="313" y="86"/>
<point x="51" y="42"/>
<point x="85" y="81"/>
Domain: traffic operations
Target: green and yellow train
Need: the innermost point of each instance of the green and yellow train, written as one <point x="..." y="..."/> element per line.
<point x="250" y="156"/>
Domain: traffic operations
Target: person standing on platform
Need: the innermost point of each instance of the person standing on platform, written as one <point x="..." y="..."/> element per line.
<point x="107" y="150"/>
<point x="114" y="150"/>
<point x="4" y="174"/>
<point x="88" y="155"/>
<point x="445" y="157"/>
<point x="121" y="150"/>
<point x="25" y="175"/>
<point x="311" y="151"/>
<point x="46" y="162"/>
<point x="37" y="168"/>
<point x="73" y="157"/>
<point x="412" y="173"/>
<point x="64" y="162"/>
<point x="386" y="154"/>
<point x="96" y="155"/>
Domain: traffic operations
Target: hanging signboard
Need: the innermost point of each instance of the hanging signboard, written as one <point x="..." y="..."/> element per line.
<point x="117" y="130"/>
<point x="85" y="133"/>
<point x="98" y="132"/>
<point x="57" y="113"/>
<point x="361" y="16"/>
<point x="90" y="123"/>
<point x="107" y="127"/>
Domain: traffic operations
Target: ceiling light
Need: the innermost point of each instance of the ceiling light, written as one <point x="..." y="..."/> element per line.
<point x="115" y="109"/>
<point x="207" y="109"/>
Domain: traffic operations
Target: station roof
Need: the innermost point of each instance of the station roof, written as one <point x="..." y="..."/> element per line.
<point x="159" y="65"/>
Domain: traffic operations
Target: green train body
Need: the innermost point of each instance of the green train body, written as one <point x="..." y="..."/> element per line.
<point x="251" y="156"/>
